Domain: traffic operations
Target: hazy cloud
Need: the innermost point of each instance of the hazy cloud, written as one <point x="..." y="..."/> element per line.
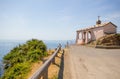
<point x="113" y="16"/>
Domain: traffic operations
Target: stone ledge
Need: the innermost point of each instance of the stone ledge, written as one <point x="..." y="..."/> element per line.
<point x="107" y="47"/>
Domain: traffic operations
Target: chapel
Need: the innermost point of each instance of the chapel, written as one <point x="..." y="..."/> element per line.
<point x="92" y="33"/>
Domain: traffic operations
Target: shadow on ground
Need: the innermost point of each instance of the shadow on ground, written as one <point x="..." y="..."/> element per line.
<point x="60" y="74"/>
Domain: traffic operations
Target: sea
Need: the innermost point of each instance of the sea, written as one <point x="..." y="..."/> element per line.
<point x="7" y="45"/>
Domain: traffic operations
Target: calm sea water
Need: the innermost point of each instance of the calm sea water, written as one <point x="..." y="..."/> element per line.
<point x="7" y="45"/>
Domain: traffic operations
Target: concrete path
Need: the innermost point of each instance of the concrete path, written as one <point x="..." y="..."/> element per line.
<point x="90" y="63"/>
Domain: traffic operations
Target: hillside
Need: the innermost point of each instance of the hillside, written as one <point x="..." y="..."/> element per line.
<point x="19" y="60"/>
<point x="108" y="40"/>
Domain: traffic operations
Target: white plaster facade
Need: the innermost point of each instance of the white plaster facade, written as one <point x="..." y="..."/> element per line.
<point x="87" y="35"/>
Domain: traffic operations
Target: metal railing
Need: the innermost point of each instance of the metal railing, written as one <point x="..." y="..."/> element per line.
<point x="42" y="72"/>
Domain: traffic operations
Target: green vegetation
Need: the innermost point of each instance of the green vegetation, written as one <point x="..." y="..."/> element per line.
<point x="18" y="61"/>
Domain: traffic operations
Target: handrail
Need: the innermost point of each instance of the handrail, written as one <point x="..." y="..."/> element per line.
<point x="43" y="70"/>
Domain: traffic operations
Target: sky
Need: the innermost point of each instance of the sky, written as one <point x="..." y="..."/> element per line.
<point x="53" y="19"/>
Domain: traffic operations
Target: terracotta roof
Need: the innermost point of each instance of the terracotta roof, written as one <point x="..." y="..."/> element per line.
<point x="97" y="26"/>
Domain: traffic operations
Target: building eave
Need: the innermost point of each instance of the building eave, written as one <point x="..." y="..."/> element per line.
<point x="96" y="26"/>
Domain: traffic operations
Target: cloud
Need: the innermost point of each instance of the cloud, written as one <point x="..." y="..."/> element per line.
<point x="113" y="16"/>
<point x="13" y="25"/>
<point x="11" y="21"/>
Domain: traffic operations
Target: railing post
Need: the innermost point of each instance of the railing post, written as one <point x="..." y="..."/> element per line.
<point x="57" y="54"/>
<point x="53" y="61"/>
<point x="59" y="50"/>
<point x="45" y="75"/>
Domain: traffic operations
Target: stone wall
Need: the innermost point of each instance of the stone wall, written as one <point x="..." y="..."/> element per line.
<point x="109" y="28"/>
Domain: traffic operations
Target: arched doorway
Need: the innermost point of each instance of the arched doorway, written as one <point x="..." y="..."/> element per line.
<point x="89" y="36"/>
<point x="80" y="35"/>
<point x="84" y="36"/>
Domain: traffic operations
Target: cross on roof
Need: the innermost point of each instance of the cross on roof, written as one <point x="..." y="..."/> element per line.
<point x="98" y="17"/>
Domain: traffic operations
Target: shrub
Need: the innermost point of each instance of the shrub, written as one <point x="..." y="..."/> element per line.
<point x="17" y="62"/>
<point x="18" y="71"/>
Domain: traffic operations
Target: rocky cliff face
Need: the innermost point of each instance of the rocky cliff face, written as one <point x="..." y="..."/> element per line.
<point x="108" y="40"/>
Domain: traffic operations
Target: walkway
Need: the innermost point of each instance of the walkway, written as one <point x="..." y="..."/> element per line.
<point x="90" y="63"/>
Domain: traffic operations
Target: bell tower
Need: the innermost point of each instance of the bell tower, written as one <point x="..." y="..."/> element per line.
<point x="98" y="21"/>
